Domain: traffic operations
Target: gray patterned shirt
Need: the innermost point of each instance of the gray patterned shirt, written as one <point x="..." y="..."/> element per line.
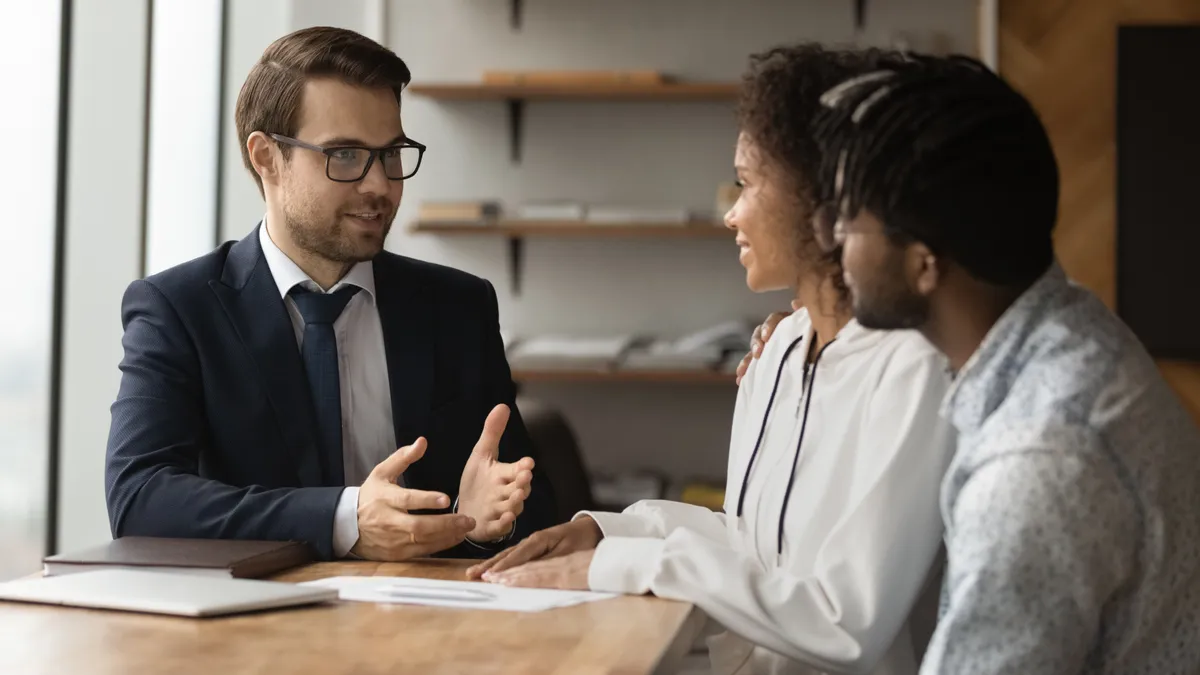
<point x="1072" y="506"/>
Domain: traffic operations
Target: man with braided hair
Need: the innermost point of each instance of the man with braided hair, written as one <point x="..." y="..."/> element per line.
<point x="1073" y="526"/>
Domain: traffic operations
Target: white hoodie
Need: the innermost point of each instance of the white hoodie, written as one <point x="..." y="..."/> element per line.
<point x="861" y="528"/>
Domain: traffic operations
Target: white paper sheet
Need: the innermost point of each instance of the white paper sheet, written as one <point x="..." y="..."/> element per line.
<point x="460" y="594"/>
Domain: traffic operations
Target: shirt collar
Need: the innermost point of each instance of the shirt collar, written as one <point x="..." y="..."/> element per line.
<point x="288" y="274"/>
<point x="983" y="382"/>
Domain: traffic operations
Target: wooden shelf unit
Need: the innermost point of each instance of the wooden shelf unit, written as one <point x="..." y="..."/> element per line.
<point x="517" y="231"/>
<point x="668" y="91"/>
<point x="610" y="376"/>
<point x="515" y="96"/>
<point x="573" y="229"/>
<point x="517" y="13"/>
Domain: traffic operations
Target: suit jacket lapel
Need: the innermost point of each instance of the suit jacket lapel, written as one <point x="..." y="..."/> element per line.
<point x="251" y="299"/>
<point x="406" y="314"/>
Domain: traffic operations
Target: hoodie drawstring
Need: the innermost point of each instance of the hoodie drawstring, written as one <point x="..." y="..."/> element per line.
<point x="806" y="391"/>
<point x="807" y="388"/>
<point x="762" y="430"/>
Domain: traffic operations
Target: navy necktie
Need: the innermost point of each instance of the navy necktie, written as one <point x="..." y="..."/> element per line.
<point x="320" y="355"/>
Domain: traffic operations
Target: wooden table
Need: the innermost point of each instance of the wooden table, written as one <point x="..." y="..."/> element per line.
<point x="625" y="635"/>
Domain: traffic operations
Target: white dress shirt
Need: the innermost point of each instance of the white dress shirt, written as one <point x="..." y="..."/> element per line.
<point x="367" y="433"/>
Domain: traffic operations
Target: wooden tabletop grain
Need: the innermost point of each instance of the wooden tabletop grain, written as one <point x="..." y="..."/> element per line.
<point x="626" y="636"/>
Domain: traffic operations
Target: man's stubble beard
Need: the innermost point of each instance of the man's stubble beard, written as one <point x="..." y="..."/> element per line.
<point x="326" y="236"/>
<point x="896" y="311"/>
<point x="888" y="303"/>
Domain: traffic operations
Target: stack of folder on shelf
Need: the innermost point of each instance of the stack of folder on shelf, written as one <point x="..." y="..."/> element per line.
<point x="612" y="214"/>
<point x="625" y="215"/>
<point x="554" y="211"/>
<point x="702" y="350"/>
<point x="563" y="352"/>
<point x="557" y="212"/>
<point x="667" y="355"/>
<point x="473" y="212"/>
<point x="707" y="349"/>
<point x="574" y="77"/>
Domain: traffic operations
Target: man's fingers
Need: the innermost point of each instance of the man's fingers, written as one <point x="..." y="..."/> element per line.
<point x="394" y="466"/>
<point x="514" y="505"/>
<point x="493" y="430"/>
<point x="426" y="550"/>
<point x="510" y="473"/>
<point x="522" y="483"/>
<point x="416" y="500"/>
<point x="773" y="322"/>
<point x="433" y="528"/>
<point x="743" y="367"/>
<point x="756" y="341"/>
<point x="500" y="526"/>
<point x="422" y="549"/>
<point x="762" y="334"/>
<point x="404" y="549"/>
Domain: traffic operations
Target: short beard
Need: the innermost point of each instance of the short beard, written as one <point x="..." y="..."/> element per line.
<point x="329" y="241"/>
<point x="892" y="310"/>
<point x="888" y="303"/>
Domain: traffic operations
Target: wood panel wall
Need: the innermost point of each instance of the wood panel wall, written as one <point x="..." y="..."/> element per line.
<point x="1062" y="54"/>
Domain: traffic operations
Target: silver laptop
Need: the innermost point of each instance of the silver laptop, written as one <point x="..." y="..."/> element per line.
<point x="162" y="593"/>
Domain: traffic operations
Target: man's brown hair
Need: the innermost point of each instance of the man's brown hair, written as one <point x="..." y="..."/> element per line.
<point x="271" y="97"/>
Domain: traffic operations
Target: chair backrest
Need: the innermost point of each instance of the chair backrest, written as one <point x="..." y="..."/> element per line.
<point x="558" y="458"/>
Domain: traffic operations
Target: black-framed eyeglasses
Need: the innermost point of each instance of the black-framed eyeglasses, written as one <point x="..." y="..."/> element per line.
<point x="350" y="164"/>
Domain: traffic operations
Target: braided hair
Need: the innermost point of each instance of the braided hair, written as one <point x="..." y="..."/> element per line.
<point x="944" y="152"/>
<point x="779" y="101"/>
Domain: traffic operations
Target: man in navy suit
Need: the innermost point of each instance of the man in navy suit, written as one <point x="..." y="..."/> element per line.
<point x="266" y="386"/>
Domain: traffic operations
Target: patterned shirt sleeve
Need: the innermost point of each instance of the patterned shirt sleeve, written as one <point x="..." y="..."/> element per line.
<point x="1040" y="542"/>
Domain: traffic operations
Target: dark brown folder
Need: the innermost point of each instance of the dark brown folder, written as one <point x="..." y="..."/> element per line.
<point x="209" y="557"/>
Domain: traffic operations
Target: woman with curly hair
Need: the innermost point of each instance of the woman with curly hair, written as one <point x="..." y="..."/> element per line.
<point x="830" y="529"/>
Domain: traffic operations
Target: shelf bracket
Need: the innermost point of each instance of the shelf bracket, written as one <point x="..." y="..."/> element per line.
<point x="860" y="14"/>
<point x="518" y="9"/>
<point x="516" y="127"/>
<point x="516" y="261"/>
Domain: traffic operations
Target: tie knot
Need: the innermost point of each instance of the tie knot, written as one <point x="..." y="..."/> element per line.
<point x="321" y="308"/>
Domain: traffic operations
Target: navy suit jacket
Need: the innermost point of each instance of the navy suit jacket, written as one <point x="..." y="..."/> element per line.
<point x="213" y="432"/>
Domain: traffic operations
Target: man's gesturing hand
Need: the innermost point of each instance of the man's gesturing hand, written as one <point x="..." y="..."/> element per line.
<point x="386" y="531"/>
<point x="493" y="492"/>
